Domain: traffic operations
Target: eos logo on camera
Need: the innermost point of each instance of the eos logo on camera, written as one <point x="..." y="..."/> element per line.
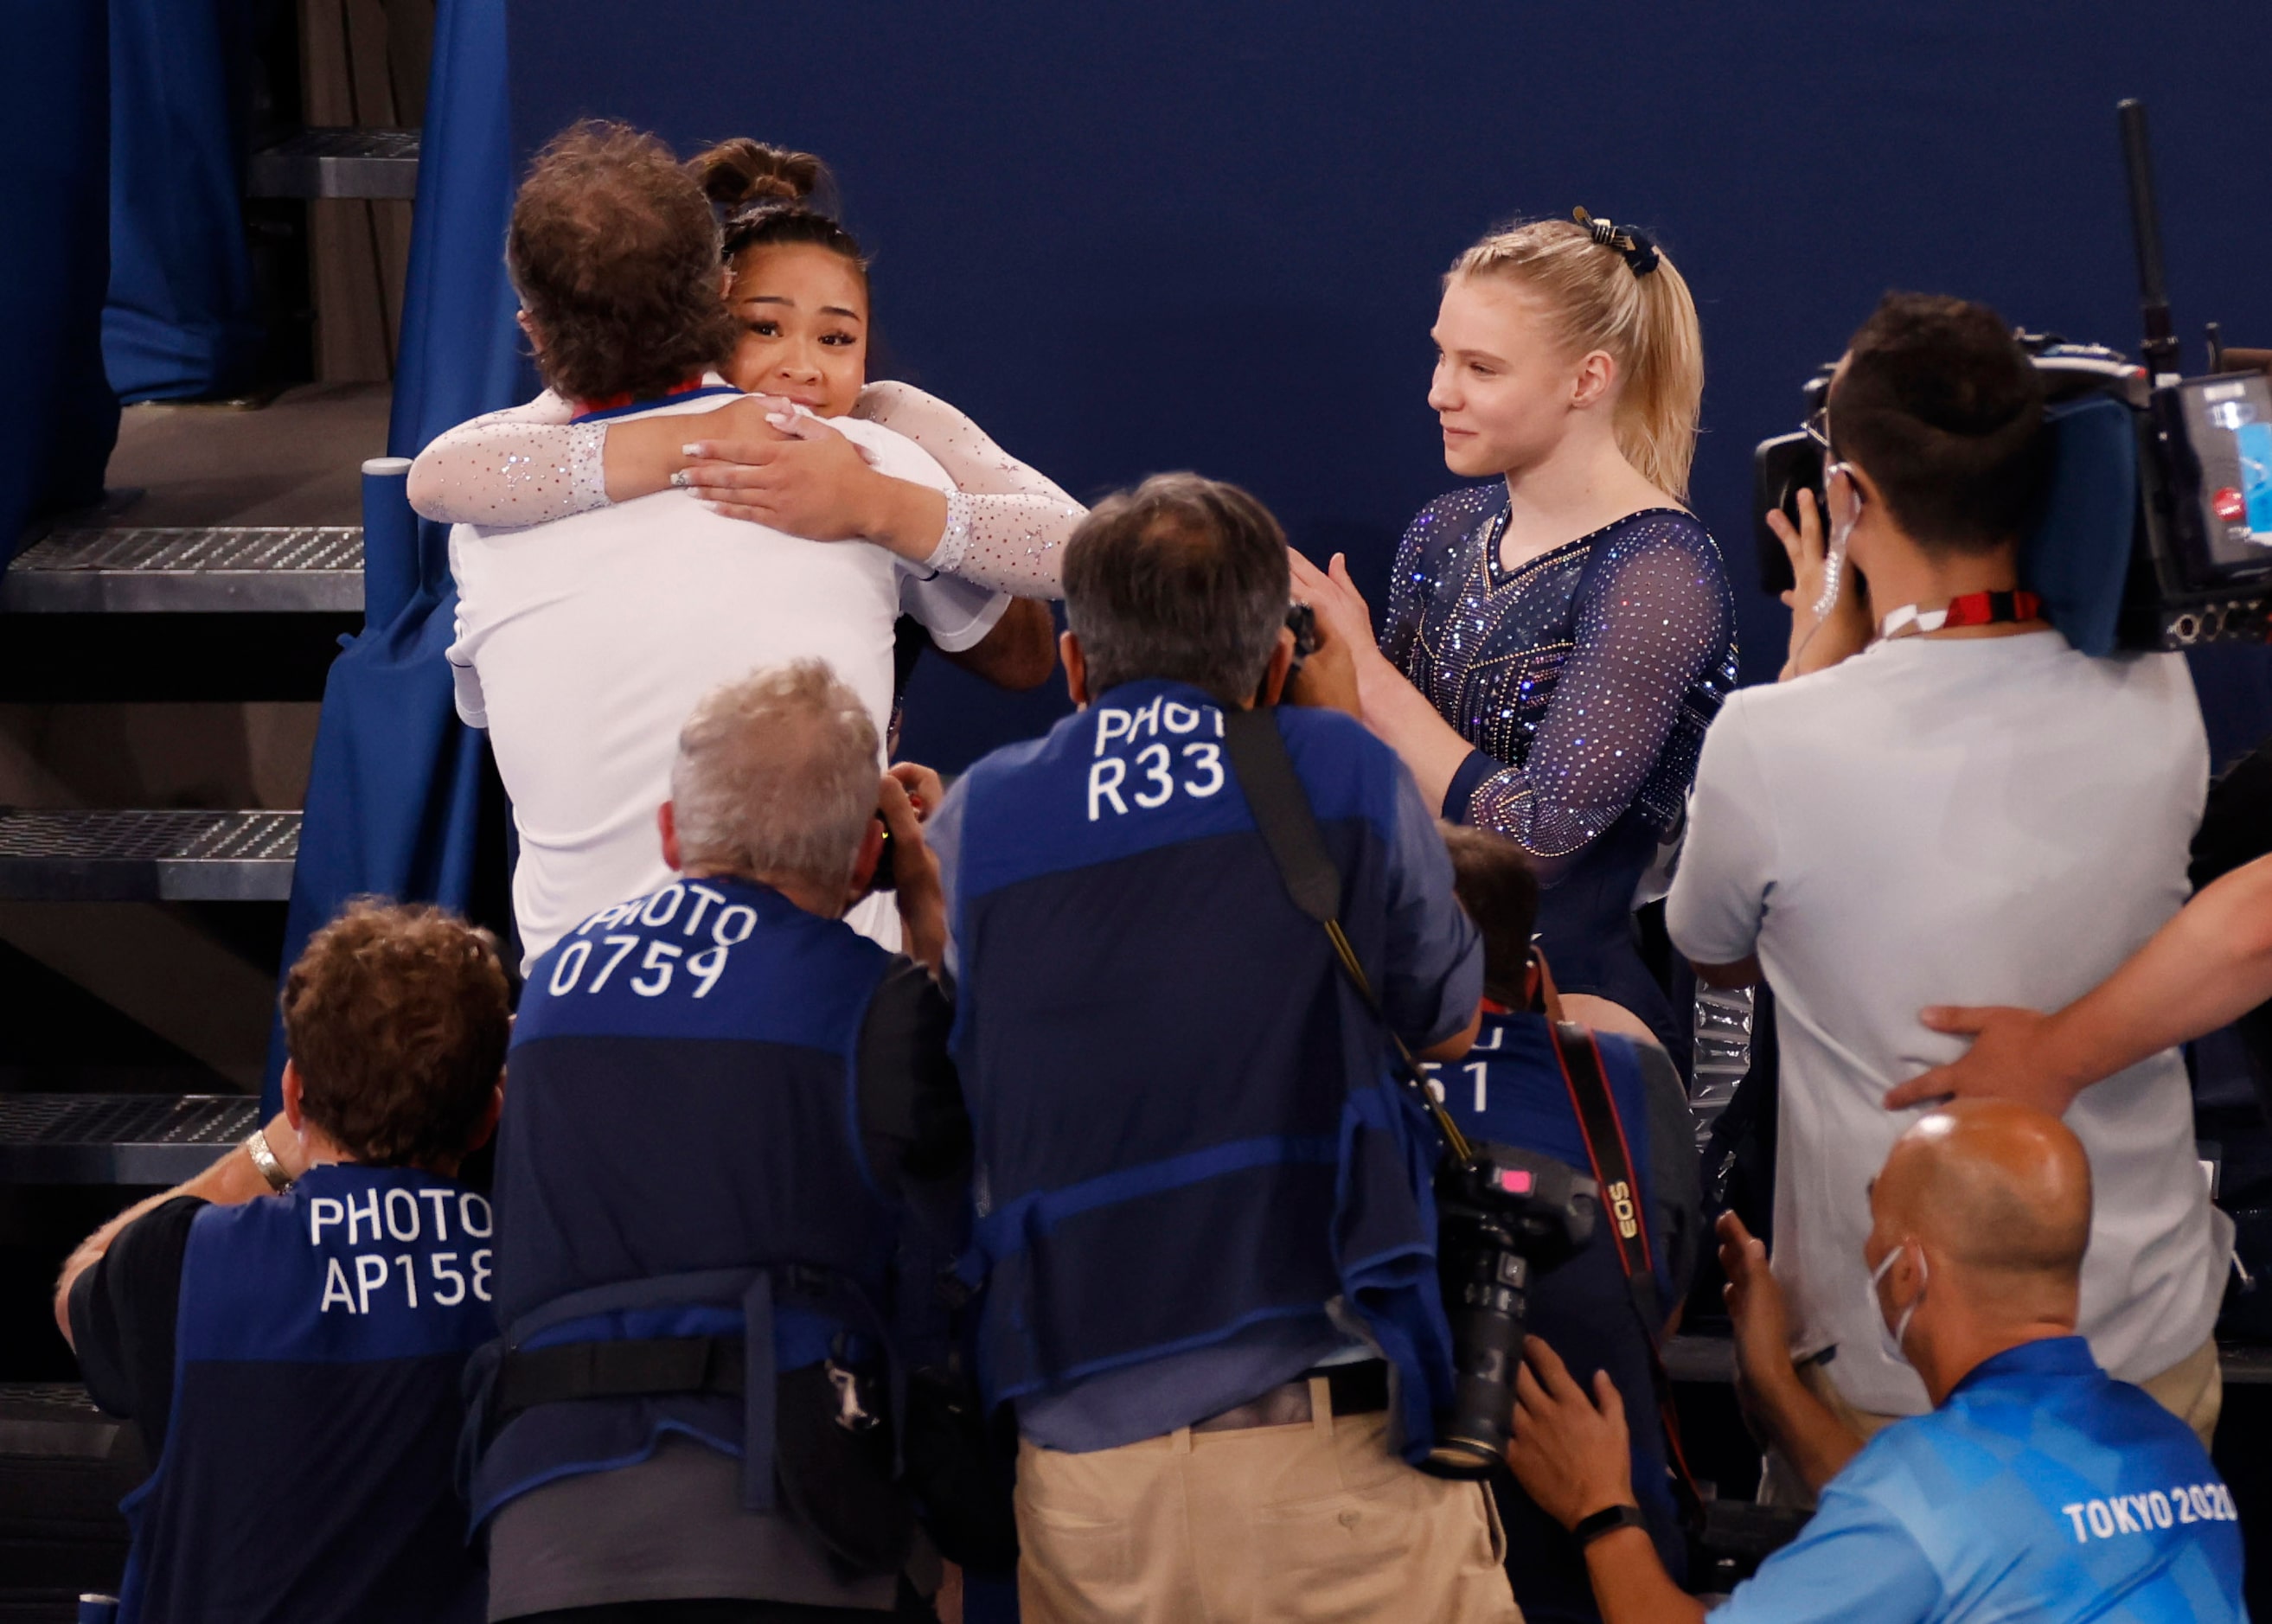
<point x="1621" y="1207"/>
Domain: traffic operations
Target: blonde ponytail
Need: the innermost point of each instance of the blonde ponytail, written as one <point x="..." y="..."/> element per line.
<point x="1599" y="298"/>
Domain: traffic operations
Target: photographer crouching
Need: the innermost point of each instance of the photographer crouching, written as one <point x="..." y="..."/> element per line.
<point x="1205" y="1233"/>
<point x="1588" y="1100"/>
<point x="288" y="1329"/>
<point x="2036" y="1486"/>
<point x="730" y="1113"/>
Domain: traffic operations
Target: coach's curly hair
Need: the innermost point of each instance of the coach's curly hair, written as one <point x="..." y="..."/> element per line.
<point x="614" y="250"/>
<point x="397" y="1017"/>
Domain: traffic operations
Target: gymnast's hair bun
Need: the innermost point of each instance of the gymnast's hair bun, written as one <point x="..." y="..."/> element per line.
<point x="741" y="173"/>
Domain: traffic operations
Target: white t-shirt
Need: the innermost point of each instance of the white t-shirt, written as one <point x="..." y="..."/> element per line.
<point x="584" y="644"/>
<point x="1984" y="821"/>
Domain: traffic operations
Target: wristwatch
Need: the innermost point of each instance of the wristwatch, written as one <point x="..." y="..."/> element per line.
<point x="1606" y="1521"/>
<point x="256" y="1146"/>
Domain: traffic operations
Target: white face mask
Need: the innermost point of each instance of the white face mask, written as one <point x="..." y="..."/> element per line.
<point x="1891" y="1336"/>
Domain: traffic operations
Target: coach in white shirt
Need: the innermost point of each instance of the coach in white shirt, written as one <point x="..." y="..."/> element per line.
<point x="1965" y="811"/>
<point x="583" y="644"/>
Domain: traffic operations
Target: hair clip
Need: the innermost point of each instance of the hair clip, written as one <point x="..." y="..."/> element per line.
<point x="1638" y="251"/>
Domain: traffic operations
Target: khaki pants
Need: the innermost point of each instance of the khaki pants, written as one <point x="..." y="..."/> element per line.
<point x="2192" y="1389"/>
<point x="1305" y="1523"/>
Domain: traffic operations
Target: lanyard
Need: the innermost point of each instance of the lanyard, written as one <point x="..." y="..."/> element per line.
<point x="1972" y="609"/>
<point x="623" y="405"/>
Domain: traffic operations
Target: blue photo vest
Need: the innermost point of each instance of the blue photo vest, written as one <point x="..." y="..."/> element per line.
<point x="1186" y="1122"/>
<point x="1510" y="1089"/>
<point x="306" y="1471"/>
<point x="680" y="1157"/>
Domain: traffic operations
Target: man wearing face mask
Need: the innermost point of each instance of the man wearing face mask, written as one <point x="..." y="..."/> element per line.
<point x="2039" y="1487"/>
<point x="1943" y="802"/>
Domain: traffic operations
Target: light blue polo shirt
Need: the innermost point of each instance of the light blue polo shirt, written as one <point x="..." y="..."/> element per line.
<point x="2043" y="1490"/>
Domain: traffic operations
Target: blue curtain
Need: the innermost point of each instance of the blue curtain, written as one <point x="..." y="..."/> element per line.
<point x="181" y="321"/>
<point x="393" y="796"/>
<point x="58" y="418"/>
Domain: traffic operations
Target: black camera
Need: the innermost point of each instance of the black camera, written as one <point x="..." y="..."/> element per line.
<point x="1504" y="1217"/>
<point x="2158" y="532"/>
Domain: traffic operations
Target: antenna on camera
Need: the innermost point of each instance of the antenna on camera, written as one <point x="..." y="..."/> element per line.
<point x="2161" y="346"/>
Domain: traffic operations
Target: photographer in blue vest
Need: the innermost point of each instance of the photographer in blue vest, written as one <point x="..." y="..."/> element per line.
<point x="289" y="1327"/>
<point x="1614" y="1108"/>
<point x="2037" y="1487"/>
<point x="729" y="1113"/>
<point x="1205" y="1230"/>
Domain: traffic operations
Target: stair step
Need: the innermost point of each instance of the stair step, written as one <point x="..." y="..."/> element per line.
<point x="84" y="855"/>
<point x="64" y="1465"/>
<point x="54" y="1418"/>
<point x="336" y="161"/>
<point x="117" y="1139"/>
<point x="183" y="570"/>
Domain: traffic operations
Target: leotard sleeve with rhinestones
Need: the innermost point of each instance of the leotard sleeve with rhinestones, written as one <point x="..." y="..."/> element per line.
<point x="1425" y="558"/>
<point x="1006" y="524"/>
<point x="522" y="465"/>
<point x="1651" y="629"/>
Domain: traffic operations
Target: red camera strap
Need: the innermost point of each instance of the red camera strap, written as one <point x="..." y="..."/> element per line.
<point x="1602" y="1127"/>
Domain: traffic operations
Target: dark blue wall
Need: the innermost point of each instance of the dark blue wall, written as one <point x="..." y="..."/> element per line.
<point x="1131" y="237"/>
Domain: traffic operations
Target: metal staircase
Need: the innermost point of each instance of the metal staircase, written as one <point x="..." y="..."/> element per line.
<point x="104" y="611"/>
<point x="139" y="1139"/>
<point x="169" y="856"/>
<point x="156" y="855"/>
<point x="96" y="591"/>
<point x="189" y="570"/>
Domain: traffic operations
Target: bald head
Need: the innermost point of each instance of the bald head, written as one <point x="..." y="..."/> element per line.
<point x="1993" y="1186"/>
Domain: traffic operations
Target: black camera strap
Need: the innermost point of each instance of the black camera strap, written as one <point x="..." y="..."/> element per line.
<point x="1289" y="826"/>
<point x="1602" y="1127"/>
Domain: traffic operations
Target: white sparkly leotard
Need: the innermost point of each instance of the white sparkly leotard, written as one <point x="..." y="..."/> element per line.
<point x="1006" y="522"/>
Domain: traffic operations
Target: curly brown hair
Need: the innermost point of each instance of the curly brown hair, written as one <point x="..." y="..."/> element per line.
<point x="615" y="252"/>
<point x="397" y="1017"/>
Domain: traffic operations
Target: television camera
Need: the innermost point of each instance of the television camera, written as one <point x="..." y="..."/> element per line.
<point x="2158" y="532"/>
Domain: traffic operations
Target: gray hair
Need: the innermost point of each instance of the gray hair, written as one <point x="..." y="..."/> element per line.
<point x="1182" y="577"/>
<point x="776" y="775"/>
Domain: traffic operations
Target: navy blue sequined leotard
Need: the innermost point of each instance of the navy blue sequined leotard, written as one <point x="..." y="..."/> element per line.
<point x="1584" y="679"/>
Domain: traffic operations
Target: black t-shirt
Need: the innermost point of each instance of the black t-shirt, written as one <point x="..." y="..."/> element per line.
<point x="123" y="1313"/>
<point x="125" y="1309"/>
